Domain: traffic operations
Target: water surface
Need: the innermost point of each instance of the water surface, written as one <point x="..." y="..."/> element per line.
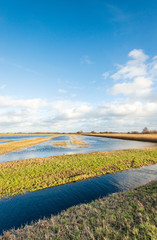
<point x="47" y="148"/>
<point x="22" y="209"/>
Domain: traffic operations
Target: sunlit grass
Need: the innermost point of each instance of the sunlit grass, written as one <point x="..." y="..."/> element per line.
<point x="74" y="141"/>
<point x="120" y="216"/>
<point x="39" y="173"/>
<point x="14" y="146"/>
<point x="5" y="140"/>
<point x="61" y="143"/>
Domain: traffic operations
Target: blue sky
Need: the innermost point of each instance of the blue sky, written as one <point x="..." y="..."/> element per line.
<point x="78" y="65"/>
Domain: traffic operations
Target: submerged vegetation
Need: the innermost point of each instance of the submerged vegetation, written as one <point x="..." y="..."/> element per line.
<point x="14" y="146"/>
<point x="34" y="174"/>
<point x="127" y="215"/>
<point x="66" y="143"/>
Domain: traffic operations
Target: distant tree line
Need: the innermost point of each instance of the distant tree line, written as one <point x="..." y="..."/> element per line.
<point x="144" y="131"/>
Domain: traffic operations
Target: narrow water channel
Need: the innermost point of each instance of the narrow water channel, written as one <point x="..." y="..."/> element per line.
<point x="23" y="209"/>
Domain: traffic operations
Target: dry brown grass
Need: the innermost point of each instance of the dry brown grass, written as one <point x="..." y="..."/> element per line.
<point x="60" y="143"/>
<point x="126" y="136"/>
<point x="5" y="140"/>
<point x="74" y="136"/>
<point x="74" y="141"/>
<point x="14" y="146"/>
<point x="78" y="142"/>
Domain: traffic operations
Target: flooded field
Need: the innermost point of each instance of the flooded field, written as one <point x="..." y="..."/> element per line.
<point x="50" y="148"/>
<point x="22" y="209"/>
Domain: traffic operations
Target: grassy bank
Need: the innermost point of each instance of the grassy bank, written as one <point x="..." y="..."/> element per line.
<point x="137" y="137"/>
<point x="14" y="146"/>
<point x="39" y="173"/>
<point x="127" y="215"/>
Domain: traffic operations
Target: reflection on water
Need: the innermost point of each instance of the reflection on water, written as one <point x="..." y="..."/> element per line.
<point x="47" y="148"/>
<point x="14" y="138"/>
<point x="32" y="206"/>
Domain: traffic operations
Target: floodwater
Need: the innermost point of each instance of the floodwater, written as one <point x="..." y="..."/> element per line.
<point x="22" y="209"/>
<point x="47" y="148"/>
<point x="13" y="138"/>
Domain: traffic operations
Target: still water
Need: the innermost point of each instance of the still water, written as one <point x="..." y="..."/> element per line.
<point x="47" y="148"/>
<point x="23" y="209"/>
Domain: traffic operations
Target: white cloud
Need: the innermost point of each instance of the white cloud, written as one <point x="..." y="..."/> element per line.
<point x="136" y="77"/>
<point x="6" y="101"/>
<point x="133" y="68"/>
<point x="86" y="60"/>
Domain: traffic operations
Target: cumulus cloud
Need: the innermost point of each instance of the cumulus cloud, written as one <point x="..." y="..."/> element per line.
<point x="6" y="101"/>
<point x="134" y="80"/>
<point x="137" y="76"/>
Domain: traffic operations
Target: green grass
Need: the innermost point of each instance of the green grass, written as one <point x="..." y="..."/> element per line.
<point x="130" y="215"/>
<point x="33" y="174"/>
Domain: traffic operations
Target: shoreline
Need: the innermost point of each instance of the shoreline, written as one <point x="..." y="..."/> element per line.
<point x="40" y="173"/>
<point x="17" y="145"/>
<point x="124" y="215"/>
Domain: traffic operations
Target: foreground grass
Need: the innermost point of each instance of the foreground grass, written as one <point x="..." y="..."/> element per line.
<point x="34" y="174"/>
<point x="14" y="146"/>
<point x="126" y="136"/>
<point x="120" y="216"/>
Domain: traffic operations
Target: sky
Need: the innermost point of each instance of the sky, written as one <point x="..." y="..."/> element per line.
<point x="83" y="65"/>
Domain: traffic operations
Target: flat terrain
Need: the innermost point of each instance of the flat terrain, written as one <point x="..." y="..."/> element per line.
<point x="38" y="173"/>
<point x="14" y="146"/>
<point x="137" y="137"/>
<point x="127" y="215"/>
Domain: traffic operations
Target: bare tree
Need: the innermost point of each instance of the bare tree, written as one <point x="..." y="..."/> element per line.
<point x="145" y="130"/>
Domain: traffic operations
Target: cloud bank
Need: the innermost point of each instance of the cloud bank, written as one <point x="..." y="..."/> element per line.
<point x="133" y="105"/>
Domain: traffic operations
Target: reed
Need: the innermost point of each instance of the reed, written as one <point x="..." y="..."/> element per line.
<point x="136" y="137"/>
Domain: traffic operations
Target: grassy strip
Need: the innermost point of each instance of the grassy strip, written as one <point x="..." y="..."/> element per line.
<point x="66" y="143"/>
<point x="137" y="137"/>
<point x="60" y="143"/>
<point x="78" y="142"/>
<point x="39" y="173"/>
<point x="5" y="140"/>
<point x="13" y="146"/>
<point x="127" y="215"/>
